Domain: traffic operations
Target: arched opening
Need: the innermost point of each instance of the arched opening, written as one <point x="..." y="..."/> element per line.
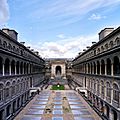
<point x="108" y="66"/>
<point x="98" y="67"/>
<point x="94" y="68"/>
<point x="58" y="70"/>
<point x="88" y="68"/>
<point x="108" y="90"/>
<point x="115" y="92"/>
<point x="91" y="68"/>
<point x="13" y="67"/>
<point x="17" y="67"/>
<point x="116" y="66"/>
<point x="21" y="68"/>
<point x="102" y="67"/>
<point x="7" y="64"/>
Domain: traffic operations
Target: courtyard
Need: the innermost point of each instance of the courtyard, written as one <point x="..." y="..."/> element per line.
<point x="58" y="105"/>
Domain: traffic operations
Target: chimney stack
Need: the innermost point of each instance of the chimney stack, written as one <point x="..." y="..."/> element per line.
<point x="103" y="33"/>
<point x="12" y="33"/>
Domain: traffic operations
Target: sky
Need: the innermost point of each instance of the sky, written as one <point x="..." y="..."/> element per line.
<point x="59" y="28"/>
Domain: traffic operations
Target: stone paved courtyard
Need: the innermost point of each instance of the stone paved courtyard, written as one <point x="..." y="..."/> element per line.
<point x="58" y="105"/>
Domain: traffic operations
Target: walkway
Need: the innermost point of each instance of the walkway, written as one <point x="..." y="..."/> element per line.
<point x="58" y="105"/>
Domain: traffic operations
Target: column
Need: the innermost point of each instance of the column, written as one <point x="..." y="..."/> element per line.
<point x="105" y="68"/>
<point x="100" y="68"/>
<point x="3" y="68"/>
<point x="96" y="68"/>
<point x="111" y="95"/>
<point x="23" y="69"/>
<point x="112" y="71"/>
<point x="9" y="69"/>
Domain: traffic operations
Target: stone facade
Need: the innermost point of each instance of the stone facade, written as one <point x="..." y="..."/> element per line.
<point x="97" y="72"/>
<point x="20" y="69"/>
<point x="63" y="65"/>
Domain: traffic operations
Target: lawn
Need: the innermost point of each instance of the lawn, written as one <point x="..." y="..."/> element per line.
<point x="56" y="87"/>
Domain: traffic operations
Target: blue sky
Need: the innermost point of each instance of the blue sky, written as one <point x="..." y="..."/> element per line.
<point x="59" y="28"/>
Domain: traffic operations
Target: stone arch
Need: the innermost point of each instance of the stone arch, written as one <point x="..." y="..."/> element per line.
<point x="58" y="70"/>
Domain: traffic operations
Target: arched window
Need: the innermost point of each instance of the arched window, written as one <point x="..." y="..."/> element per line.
<point x="106" y="46"/>
<point x="98" y="87"/>
<point x="117" y="40"/>
<point x="102" y="48"/>
<point x="115" y="92"/>
<point x="116" y="66"/>
<point x="108" y="89"/>
<point x="7" y="90"/>
<point x="111" y="44"/>
<point x="102" y="88"/>
<point x="13" y="88"/>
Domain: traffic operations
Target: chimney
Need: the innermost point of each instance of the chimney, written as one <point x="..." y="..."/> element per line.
<point x="12" y="33"/>
<point x="103" y="33"/>
<point x="93" y="43"/>
<point x="22" y="43"/>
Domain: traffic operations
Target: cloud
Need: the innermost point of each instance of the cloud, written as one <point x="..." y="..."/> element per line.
<point x="67" y="12"/>
<point x="65" y="48"/>
<point x="61" y="36"/>
<point x="4" y="11"/>
<point x="96" y="17"/>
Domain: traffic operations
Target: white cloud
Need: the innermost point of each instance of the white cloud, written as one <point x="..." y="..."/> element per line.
<point x="4" y="11"/>
<point x="61" y="36"/>
<point x="70" y="11"/>
<point x="96" y="17"/>
<point x="65" y="48"/>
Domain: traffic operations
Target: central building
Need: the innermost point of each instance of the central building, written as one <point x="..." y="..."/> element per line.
<point x="58" y="68"/>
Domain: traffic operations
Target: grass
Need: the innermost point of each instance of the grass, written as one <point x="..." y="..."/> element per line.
<point x="55" y="87"/>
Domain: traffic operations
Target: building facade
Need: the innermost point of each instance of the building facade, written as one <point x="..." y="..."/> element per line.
<point x="58" y="68"/>
<point x="97" y="71"/>
<point x="20" y="69"/>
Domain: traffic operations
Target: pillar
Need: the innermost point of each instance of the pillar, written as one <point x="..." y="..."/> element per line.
<point x="9" y="69"/>
<point x="105" y="68"/>
<point x="3" y="68"/>
<point x="112" y="71"/>
<point x="100" y="68"/>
